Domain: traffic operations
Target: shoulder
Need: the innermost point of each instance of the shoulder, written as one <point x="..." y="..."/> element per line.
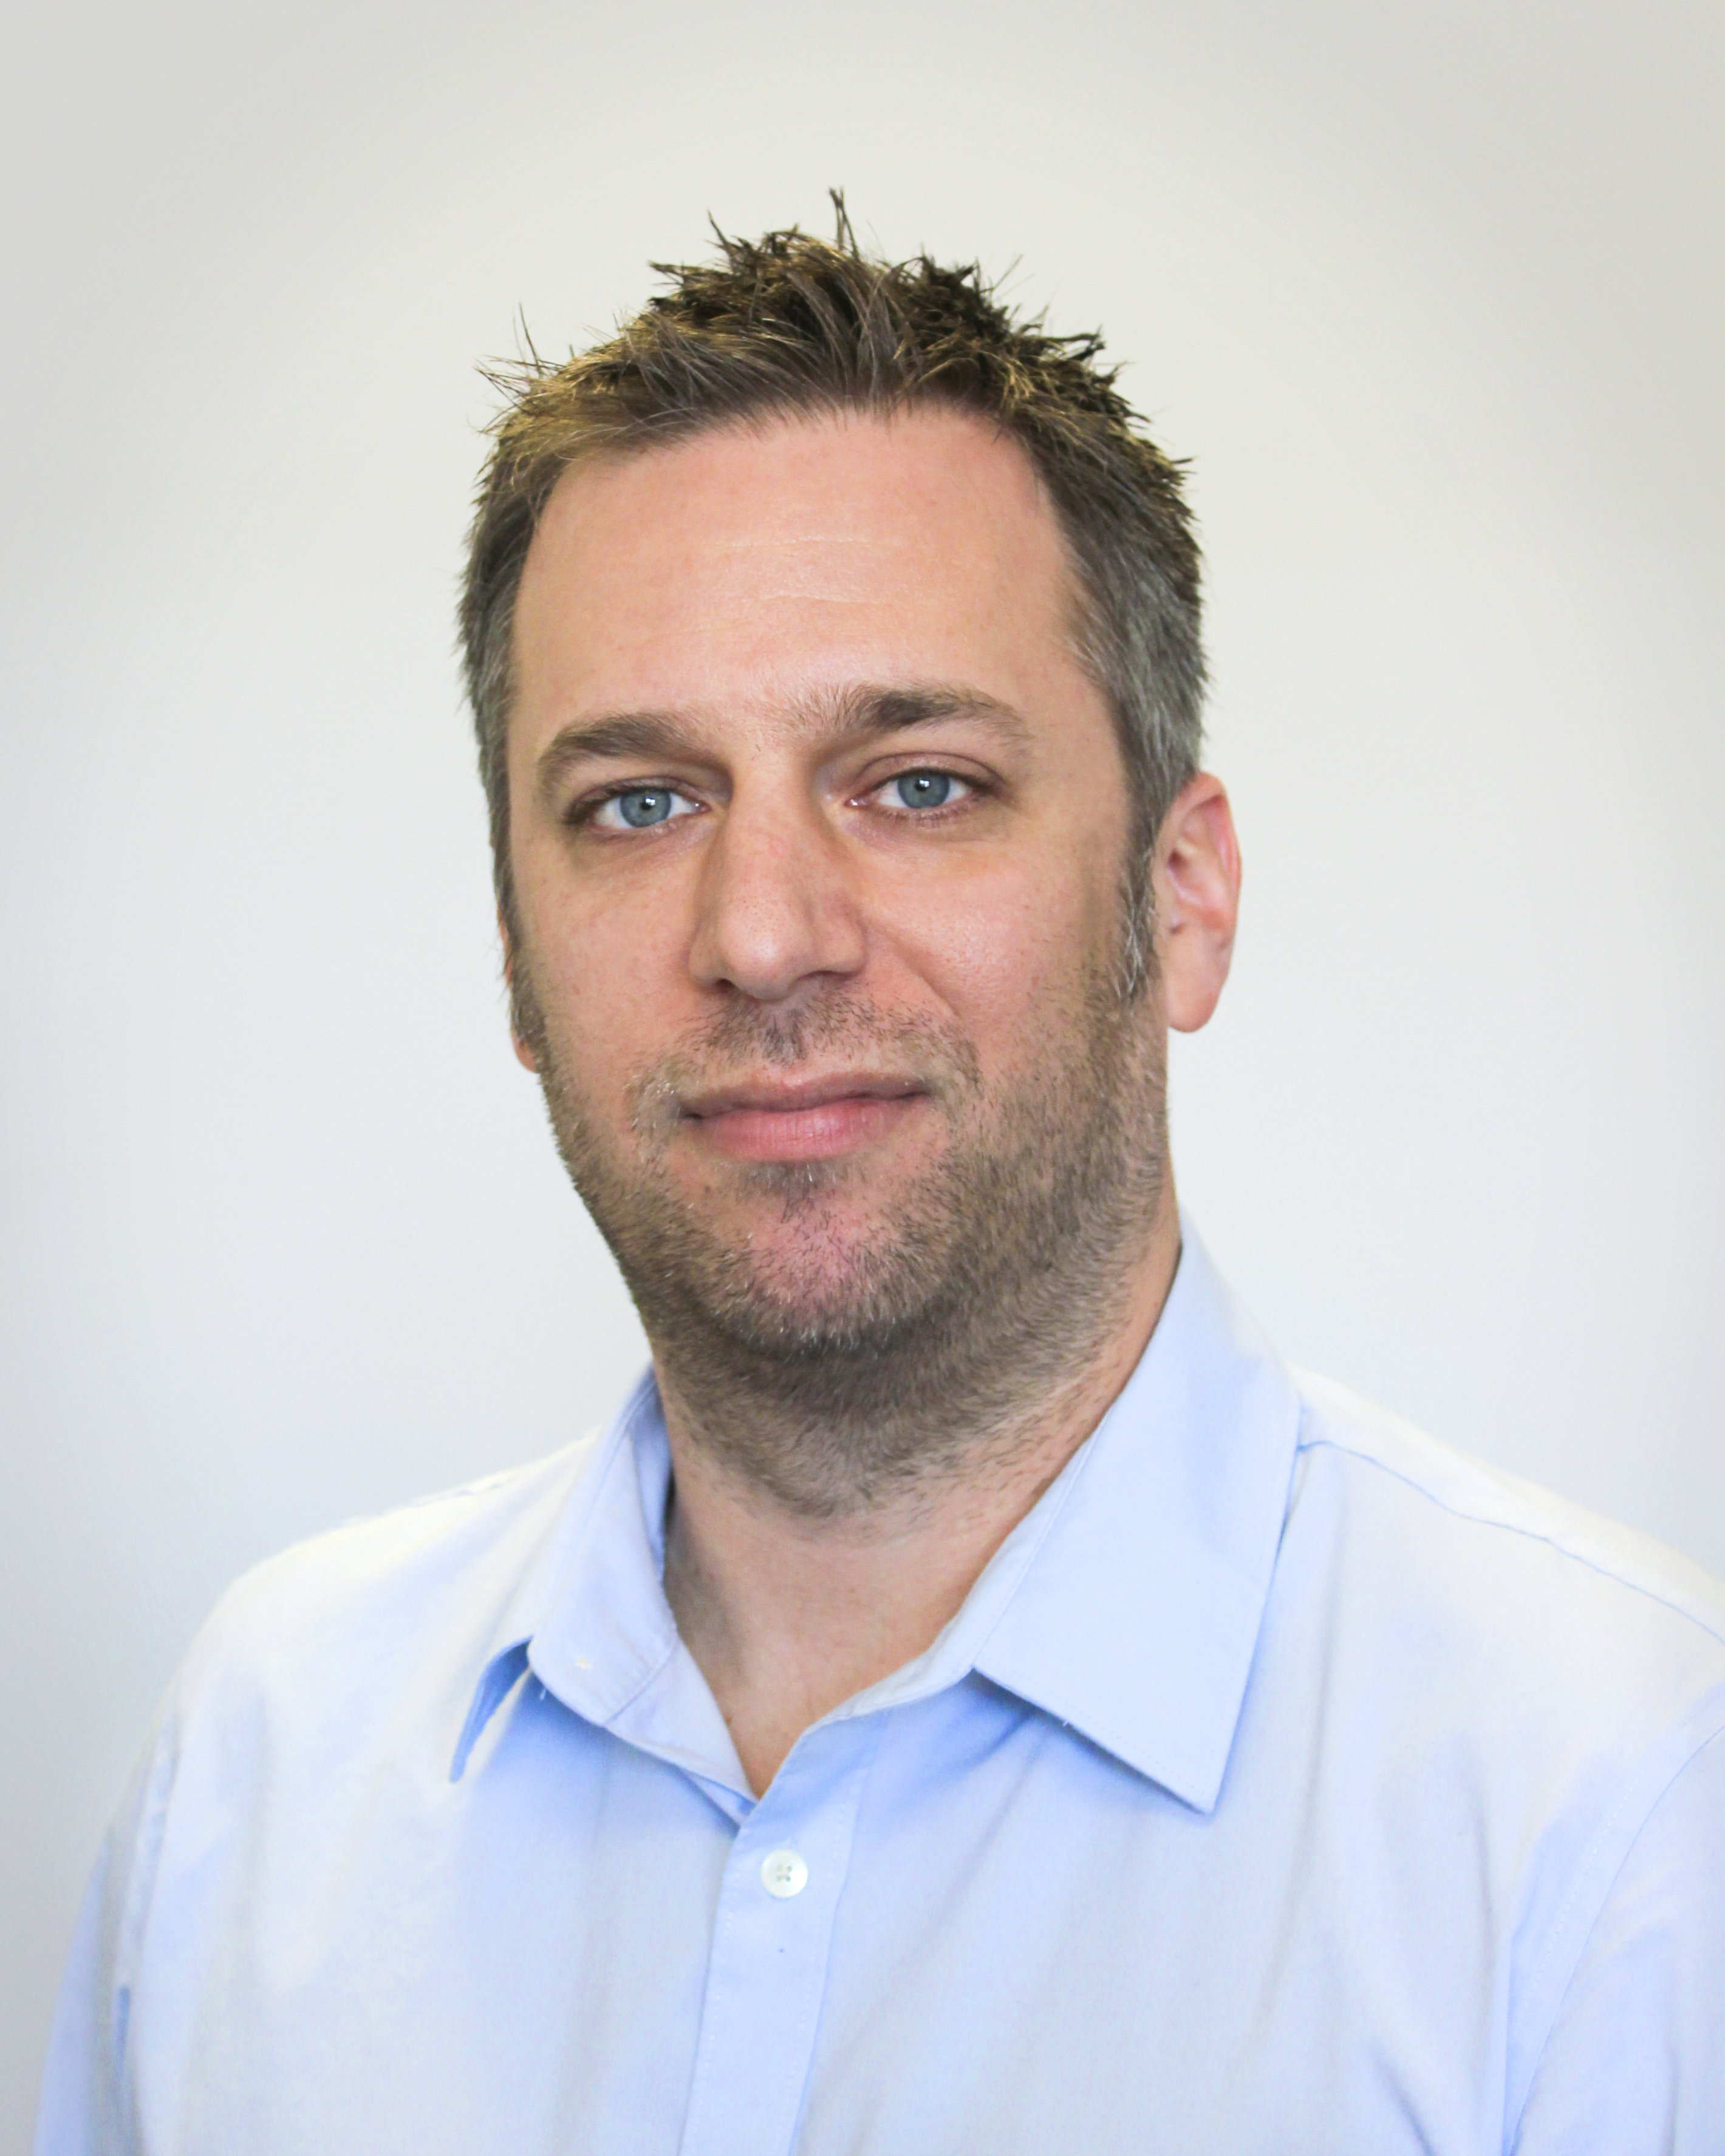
<point x="1487" y="1604"/>
<point x="333" y="1644"/>
<point x="1534" y="1695"/>
<point x="1459" y="1512"/>
<point x="480" y="1533"/>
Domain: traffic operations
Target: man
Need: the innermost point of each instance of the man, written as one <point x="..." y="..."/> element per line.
<point x="971" y="1697"/>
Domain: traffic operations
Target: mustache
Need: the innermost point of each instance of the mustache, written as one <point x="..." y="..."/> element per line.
<point x="746" y="1040"/>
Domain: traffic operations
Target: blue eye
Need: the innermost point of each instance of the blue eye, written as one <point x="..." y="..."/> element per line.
<point x="639" y="808"/>
<point x="923" y="790"/>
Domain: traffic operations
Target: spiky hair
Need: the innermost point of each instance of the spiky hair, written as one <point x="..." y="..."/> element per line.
<point x="791" y="324"/>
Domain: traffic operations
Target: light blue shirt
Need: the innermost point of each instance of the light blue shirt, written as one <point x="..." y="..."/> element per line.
<point x="1286" y="1783"/>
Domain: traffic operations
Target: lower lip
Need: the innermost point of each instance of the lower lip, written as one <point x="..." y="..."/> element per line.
<point x="795" y="1134"/>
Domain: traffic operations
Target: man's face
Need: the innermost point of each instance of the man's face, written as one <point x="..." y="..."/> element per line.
<point x="819" y="833"/>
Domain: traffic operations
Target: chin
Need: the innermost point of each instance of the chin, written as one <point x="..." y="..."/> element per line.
<point x="836" y="1287"/>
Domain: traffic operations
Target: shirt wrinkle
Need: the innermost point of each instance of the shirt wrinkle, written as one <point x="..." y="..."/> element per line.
<point x="1216" y="1816"/>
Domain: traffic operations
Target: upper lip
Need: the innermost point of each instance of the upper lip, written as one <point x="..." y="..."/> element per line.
<point x="783" y="1097"/>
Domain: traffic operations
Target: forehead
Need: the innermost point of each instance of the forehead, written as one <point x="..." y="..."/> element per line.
<point x="751" y="565"/>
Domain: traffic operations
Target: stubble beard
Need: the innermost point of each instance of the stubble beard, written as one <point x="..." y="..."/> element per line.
<point x="837" y="1368"/>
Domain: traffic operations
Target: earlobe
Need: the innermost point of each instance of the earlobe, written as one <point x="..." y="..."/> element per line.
<point x="1197" y="882"/>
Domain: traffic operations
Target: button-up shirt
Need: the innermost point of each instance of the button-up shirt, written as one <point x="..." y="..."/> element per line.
<point x="1286" y="1782"/>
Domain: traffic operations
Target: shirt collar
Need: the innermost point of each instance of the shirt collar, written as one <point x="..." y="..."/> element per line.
<point x="1138" y="1618"/>
<point x="1126" y="1604"/>
<point x="589" y="1616"/>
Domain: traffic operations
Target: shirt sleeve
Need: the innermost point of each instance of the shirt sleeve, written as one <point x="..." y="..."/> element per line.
<point x="84" y="2109"/>
<point x="1635" y="2060"/>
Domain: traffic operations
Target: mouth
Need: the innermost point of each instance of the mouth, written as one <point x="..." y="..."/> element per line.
<point x="801" y="1119"/>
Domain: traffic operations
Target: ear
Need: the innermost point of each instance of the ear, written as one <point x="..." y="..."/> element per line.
<point x="1196" y="880"/>
<point x="523" y="1055"/>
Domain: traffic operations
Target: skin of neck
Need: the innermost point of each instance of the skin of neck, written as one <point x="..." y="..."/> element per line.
<point x="787" y="1616"/>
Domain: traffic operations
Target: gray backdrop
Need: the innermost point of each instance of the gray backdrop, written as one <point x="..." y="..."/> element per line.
<point x="1430" y="295"/>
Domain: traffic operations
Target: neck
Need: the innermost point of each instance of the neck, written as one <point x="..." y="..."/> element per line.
<point x="790" y="1610"/>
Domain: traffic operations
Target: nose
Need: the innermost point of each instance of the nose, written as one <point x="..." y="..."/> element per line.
<point x="776" y="907"/>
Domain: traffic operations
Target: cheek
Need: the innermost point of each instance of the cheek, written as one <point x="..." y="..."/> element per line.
<point x="1010" y="953"/>
<point x="610" y="974"/>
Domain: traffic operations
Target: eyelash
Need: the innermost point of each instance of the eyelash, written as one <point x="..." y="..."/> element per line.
<point x="587" y="812"/>
<point x="967" y="790"/>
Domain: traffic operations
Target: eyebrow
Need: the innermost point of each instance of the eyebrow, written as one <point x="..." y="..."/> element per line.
<point x="851" y="714"/>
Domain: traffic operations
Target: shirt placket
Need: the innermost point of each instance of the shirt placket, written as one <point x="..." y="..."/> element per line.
<point x="771" y="1938"/>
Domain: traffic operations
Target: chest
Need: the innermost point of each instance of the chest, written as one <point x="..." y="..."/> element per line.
<point x="1032" y="1948"/>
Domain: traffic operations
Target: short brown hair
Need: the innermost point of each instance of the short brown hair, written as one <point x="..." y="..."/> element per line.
<point x="791" y="324"/>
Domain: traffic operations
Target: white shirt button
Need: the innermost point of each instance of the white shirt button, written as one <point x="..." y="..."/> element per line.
<point x="784" y="1873"/>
